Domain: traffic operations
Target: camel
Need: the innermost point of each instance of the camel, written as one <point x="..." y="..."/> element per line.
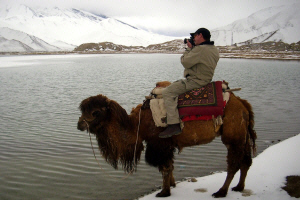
<point x="120" y="138"/>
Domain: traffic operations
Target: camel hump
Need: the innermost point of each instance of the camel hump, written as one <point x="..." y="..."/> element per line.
<point x="163" y="84"/>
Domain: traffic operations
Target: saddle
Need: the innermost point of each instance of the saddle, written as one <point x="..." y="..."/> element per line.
<point x="202" y="103"/>
<point x="205" y="103"/>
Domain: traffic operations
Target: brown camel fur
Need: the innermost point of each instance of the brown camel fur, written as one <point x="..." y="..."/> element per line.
<point x="116" y="133"/>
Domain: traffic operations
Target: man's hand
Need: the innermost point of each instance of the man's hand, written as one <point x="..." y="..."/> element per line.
<point x="189" y="44"/>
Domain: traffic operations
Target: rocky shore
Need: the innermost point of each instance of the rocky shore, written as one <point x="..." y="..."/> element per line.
<point x="268" y="50"/>
<point x="241" y="55"/>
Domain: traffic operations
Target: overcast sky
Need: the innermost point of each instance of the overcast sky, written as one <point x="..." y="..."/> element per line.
<point x="173" y="18"/>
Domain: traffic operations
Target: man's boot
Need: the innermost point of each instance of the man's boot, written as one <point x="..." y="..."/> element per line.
<point x="173" y="129"/>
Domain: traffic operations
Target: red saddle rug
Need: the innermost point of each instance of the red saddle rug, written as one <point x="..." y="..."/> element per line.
<point x="202" y="103"/>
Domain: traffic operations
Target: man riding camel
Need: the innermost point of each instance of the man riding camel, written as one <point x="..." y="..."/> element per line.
<point x="199" y="62"/>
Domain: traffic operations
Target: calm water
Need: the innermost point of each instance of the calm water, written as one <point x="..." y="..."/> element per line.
<point x="44" y="156"/>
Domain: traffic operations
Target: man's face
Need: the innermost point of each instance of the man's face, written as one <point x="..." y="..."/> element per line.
<point x="198" y="39"/>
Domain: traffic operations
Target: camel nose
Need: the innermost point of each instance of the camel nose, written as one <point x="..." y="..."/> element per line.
<point x="81" y="125"/>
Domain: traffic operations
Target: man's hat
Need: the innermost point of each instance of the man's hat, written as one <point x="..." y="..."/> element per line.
<point x="204" y="31"/>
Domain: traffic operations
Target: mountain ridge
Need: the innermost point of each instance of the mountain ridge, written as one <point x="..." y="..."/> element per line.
<point x="280" y="23"/>
<point x="34" y="43"/>
<point x="60" y="29"/>
<point x="73" y="26"/>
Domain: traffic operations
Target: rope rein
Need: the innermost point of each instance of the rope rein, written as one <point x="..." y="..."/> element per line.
<point x="134" y="155"/>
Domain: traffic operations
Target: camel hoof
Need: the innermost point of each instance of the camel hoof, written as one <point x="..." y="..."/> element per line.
<point x="238" y="188"/>
<point x="163" y="194"/>
<point x="220" y="194"/>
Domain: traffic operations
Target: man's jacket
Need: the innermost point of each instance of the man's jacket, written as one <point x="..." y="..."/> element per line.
<point x="200" y="63"/>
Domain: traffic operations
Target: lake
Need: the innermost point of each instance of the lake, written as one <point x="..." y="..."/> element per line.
<point x="44" y="156"/>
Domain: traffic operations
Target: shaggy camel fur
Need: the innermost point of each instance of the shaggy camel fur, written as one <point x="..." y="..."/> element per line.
<point x="116" y="133"/>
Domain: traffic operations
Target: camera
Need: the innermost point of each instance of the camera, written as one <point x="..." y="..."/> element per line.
<point x="191" y="40"/>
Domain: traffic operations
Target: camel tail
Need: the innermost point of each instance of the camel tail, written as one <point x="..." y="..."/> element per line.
<point x="251" y="130"/>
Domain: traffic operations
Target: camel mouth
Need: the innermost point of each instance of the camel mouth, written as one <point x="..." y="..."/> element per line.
<point x="81" y="127"/>
<point x="81" y="124"/>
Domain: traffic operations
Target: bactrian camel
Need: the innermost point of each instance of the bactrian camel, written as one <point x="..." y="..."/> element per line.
<point x="116" y="133"/>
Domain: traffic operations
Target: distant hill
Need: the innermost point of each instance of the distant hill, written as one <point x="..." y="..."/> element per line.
<point x="266" y="46"/>
<point x="173" y="46"/>
<point x="177" y="46"/>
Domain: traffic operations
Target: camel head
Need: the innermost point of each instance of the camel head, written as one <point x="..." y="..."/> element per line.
<point x="111" y="124"/>
<point x="97" y="111"/>
<point x="94" y="112"/>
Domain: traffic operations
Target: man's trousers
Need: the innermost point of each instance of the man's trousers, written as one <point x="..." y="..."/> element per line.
<point x="170" y="96"/>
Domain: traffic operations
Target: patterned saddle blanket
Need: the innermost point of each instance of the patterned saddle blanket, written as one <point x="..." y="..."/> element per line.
<point x="205" y="101"/>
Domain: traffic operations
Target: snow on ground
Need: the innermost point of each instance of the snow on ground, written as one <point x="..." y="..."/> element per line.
<point x="265" y="179"/>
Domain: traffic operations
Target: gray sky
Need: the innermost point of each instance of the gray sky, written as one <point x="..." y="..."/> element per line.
<point x="173" y="18"/>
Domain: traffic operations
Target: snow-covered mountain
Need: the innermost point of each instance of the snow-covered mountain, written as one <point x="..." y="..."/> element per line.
<point x="24" y="28"/>
<point x="270" y="24"/>
<point x="67" y="28"/>
<point x="13" y="39"/>
<point x="13" y="46"/>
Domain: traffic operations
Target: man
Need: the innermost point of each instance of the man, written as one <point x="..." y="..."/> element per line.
<point x="199" y="64"/>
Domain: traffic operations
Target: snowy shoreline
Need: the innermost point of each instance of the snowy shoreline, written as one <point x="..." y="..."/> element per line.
<point x="265" y="179"/>
<point x="238" y="55"/>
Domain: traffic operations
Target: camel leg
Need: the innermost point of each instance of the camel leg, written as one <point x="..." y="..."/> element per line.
<point x="246" y="163"/>
<point x="233" y="161"/>
<point x="168" y="180"/>
<point x="172" y="180"/>
<point x="241" y="185"/>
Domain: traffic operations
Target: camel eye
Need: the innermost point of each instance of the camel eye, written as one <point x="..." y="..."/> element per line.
<point x="96" y="113"/>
